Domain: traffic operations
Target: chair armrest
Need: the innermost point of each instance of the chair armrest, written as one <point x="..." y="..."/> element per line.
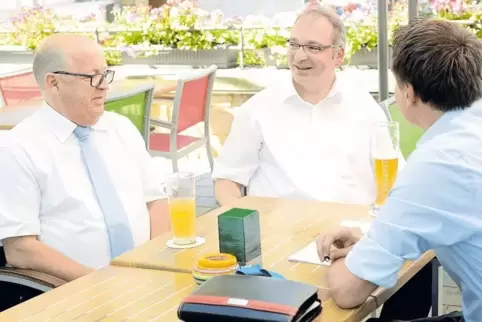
<point x="33" y="279"/>
<point x="164" y="124"/>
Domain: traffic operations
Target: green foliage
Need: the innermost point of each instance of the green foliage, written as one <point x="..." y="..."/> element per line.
<point x="358" y="38"/>
<point x="266" y="38"/>
<point x="169" y="27"/>
<point x="141" y="31"/>
<point x="253" y="58"/>
<point x="31" y="25"/>
<point x="449" y="15"/>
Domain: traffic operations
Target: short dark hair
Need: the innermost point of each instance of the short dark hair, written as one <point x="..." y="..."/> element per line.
<point x="441" y="60"/>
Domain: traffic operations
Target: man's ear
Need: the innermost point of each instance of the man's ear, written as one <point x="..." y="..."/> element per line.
<point x="410" y="96"/>
<point x="339" y="56"/>
<point x="51" y="82"/>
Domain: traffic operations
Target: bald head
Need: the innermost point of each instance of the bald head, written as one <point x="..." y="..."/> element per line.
<point x="60" y="52"/>
<point x="65" y="67"/>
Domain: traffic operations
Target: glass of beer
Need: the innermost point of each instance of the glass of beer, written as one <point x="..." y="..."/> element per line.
<point x="385" y="151"/>
<point x="181" y="190"/>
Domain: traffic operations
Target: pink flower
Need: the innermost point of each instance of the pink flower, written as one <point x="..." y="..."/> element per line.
<point x="448" y="5"/>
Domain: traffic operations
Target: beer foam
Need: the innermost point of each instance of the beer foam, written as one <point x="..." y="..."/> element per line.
<point x="385" y="156"/>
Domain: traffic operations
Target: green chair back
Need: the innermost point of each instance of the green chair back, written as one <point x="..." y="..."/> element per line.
<point x="131" y="107"/>
<point x="135" y="105"/>
<point x="409" y="134"/>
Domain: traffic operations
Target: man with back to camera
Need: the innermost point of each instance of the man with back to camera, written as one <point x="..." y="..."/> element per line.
<point x="436" y="201"/>
<point x="78" y="186"/>
<point x="309" y="138"/>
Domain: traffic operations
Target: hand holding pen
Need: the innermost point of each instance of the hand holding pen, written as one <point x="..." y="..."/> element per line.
<point x="338" y="243"/>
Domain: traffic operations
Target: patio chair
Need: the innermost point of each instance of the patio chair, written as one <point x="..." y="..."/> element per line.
<point x="18" y="87"/>
<point x="134" y="104"/>
<point x="409" y="134"/>
<point x="191" y="107"/>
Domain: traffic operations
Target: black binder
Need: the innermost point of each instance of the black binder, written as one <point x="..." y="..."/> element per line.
<point x="238" y="298"/>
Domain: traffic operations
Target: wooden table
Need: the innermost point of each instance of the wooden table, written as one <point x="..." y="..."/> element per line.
<point x="127" y="294"/>
<point x="286" y="226"/>
<point x="110" y="294"/>
<point x="12" y="115"/>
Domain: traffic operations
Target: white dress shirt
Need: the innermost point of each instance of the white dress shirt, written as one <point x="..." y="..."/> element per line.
<point x="282" y="146"/>
<point x="45" y="188"/>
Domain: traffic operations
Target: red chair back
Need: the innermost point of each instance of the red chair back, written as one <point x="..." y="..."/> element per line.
<point x="19" y="87"/>
<point x="192" y="103"/>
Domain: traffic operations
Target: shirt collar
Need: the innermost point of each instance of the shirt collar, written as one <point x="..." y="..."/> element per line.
<point x="63" y="127"/>
<point x="335" y="90"/>
<point x="440" y="126"/>
<point x="101" y="124"/>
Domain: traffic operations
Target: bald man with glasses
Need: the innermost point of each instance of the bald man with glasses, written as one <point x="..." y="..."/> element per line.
<point x="78" y="187"/>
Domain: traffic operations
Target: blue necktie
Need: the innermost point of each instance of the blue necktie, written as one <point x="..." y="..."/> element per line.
<point x="115" y="216"/>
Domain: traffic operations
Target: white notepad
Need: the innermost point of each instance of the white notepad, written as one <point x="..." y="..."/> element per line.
<point x="309" y="253"/>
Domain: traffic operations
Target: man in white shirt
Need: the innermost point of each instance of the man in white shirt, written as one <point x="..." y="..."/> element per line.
<point x="53" y="210"/>
<point x="309" y="136"/>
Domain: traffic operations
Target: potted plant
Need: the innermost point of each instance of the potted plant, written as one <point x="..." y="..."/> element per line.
<point x="27" y="29"/>
<point x="175" y="34"/>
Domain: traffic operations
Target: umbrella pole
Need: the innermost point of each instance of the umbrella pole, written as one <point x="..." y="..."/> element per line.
<point x="382" y="50"/>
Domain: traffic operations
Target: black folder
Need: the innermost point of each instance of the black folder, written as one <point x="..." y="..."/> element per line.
<point x="242" y="298"/>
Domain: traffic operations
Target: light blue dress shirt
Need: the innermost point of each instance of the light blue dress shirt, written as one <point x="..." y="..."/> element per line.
<point x="436" y="203"/>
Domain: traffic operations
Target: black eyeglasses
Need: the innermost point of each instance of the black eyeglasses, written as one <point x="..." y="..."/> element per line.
<point x="96" y="80"/>
<point x="314" y="49"/>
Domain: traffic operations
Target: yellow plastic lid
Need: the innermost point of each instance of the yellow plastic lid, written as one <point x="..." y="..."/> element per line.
<point x="216" y="261"/>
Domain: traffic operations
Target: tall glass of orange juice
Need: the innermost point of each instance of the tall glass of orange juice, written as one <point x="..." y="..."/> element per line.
<point x="181" y="190"/>
<point x="385" y="151"/>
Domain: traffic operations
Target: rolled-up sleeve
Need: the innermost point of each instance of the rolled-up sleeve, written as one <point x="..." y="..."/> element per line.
<point x="19" y="194"/>
<point x="431" y="206"/>
<point x="371" y="262"/>
<point x="239" y="157"/>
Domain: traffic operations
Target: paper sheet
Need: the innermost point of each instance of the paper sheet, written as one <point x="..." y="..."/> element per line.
<point x="309" y="254"/>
